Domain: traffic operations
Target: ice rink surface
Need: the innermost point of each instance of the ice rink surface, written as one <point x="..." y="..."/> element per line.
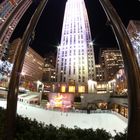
<point x="107" y="121"/>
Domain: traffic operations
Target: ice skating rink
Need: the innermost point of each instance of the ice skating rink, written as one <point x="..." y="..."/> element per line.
<point x="107" y="121"/>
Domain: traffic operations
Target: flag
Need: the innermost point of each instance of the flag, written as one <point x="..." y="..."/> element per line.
<point x="13" y="2"/>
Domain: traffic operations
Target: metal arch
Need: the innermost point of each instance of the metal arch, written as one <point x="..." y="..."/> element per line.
<point x="11" y="111"/>
<point x="131" y="69"/>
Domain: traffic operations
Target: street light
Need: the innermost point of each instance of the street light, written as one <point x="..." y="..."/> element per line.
<point x="91" y="43"/>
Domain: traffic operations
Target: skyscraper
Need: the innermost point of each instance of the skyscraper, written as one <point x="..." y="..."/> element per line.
<point x="75" y="55"/>
<point x="111" y="62"/>
<point x="11" y="11"/>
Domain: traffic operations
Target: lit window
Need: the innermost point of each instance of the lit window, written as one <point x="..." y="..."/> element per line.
<point x="63" y="88"/>
<point x="81" y="89"/>
<point x="71" y="88"/>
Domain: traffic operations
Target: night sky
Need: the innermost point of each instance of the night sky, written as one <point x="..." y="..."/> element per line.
<point x="48" y="30"/>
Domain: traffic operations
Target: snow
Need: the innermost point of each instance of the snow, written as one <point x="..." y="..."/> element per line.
<point x="107" y="121"/>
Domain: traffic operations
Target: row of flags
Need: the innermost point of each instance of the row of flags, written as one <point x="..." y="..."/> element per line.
<point x="13" y="2"/>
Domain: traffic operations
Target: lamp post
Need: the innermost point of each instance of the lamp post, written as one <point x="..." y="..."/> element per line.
<point x="10" y="125"/>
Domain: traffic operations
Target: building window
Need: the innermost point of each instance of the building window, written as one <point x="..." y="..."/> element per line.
<point x="63" y="88"/>
<point x="61" y="77"/>
<point x="69" y="70"/>
<point x="72" y="89"/>
<point x="81" y="89"/>
<point x="64" y="79"/>
<point x="83" y="78"/>
<point x="74" y="70"/>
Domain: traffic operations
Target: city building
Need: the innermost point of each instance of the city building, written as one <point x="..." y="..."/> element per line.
<point x="102" y="85"/>
<point x="133" y="29"/>
<point x="121" y="83"/>
<point x="50" y="58"/>
<point x="10" y="14"/>
<point x="33" y="66"/>
<point x="75" y="63"/>
<point x="119" y="94"/>
<point x="12" y="50"/>
<point x="111" y="61"/>
<point x="49" y="68"/>
<point x="100" y="73"/>
<point x="33" y="63"/>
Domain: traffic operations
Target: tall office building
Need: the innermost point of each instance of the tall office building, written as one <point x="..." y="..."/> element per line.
<point x="100" y="73"/>
<point x="75" y="55"/>
<point x="111" y="61"/>
<point x="11" y="11"/>
<point x="49" y="67"/>
<point x="33" y="63"/>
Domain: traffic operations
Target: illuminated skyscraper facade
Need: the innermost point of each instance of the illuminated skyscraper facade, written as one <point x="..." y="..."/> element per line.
<point x="10" y="14"/>
<point x="75" y="55"/>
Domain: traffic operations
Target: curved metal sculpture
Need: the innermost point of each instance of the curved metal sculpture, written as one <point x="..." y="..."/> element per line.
<point x="15" y="76"/>
<point x="131" y="69"/>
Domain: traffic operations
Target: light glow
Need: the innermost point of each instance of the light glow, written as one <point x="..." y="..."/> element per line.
<point x="58" y="100"/>
<point x="63" y="88"/>
<point x="71" y="88"/>
<point x="81" y="89"/>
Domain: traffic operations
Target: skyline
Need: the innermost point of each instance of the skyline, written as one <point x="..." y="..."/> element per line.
<point x="48" y="30"/>
<point x="106" y="89"/>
